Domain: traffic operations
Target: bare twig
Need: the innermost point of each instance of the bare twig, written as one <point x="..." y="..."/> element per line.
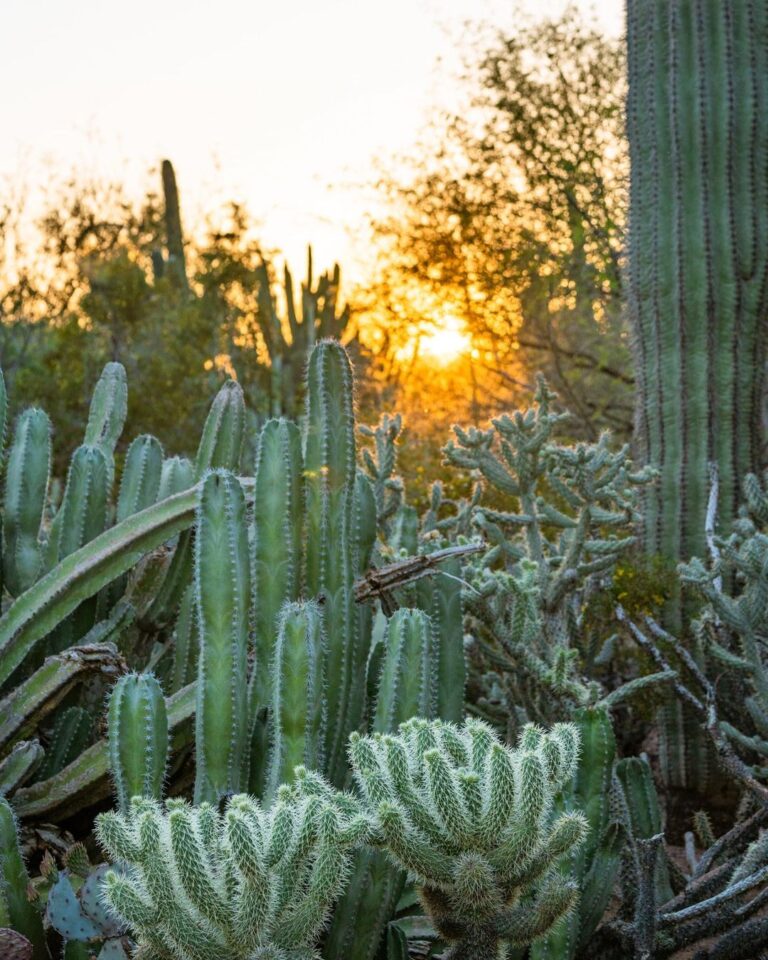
<point x="380" y="581"/>
<point x="711" y="519"/>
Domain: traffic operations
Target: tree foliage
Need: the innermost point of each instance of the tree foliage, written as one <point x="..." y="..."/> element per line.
<point x="511" y="218"/>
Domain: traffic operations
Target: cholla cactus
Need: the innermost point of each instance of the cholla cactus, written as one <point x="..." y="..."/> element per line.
<point x="571" y="516"/>
<point x="251" y="883"/>
<point x="472" y="822"/>
<point x="732" y="625"/>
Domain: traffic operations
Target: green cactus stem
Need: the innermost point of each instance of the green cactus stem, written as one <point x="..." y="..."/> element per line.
<point x="137" y="734"/>
<point x="222" y="590"/>
<point x="298" y="694"/>
<point x="26" y="486"/>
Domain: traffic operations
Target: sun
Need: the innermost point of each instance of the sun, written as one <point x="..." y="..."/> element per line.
<point x="445" y="342"/>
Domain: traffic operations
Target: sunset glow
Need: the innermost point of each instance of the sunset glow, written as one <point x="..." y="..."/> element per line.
<point x="446" y="342"/>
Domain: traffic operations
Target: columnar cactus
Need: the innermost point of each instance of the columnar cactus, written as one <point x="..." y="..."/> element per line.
<point x="278" y="521"/>
<point x="137" y="725"/>
<point x="26" y="488"/>
<point x="220" y="447"/>
<point x="311" y="318"/>
<point x="297" y="704"/>
<point x="142" y="472"/>
<point x="698" y="262"/>
<point x="595" y="864"/>
<point x="329" y="464"/>
<point x="174" y="238"/>
<point x="472" y="821"/>
<point x="108" y="410"/>
<point x="250" y="883"/>
<point x="222" y="589"/>
<point x="698" y="254"/>
<point x="16" y="909"/>
<point x="407" y="687"/>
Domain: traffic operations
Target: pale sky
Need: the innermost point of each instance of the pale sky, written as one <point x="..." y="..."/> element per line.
<point x="277" y="104"/>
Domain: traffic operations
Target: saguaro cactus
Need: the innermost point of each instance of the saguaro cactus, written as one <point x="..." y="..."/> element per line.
<point x="698" y="253"/>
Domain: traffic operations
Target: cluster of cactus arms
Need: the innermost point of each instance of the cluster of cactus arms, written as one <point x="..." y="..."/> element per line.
<point x="697" y="266"/>
<point x="248" y="882"/>
<point x="92" y="582"/>
<point x="312" y="316"/>
<point x="472" y="821"/>
<point x="730" y="629"/>
<point x="236" y="596"/>
<point x="573" y="515"/>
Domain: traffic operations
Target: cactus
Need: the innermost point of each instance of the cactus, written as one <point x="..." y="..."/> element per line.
<point x="220" y="446"/>
<point x="26" y="486"/>
<point x="185" y="643"/>
<point x="248" y="883"/>
<point x="297" y="702"/>
<point x="316" y="318"/>
<point x="20" y="764"/>
<point x="142" y="472"/>
<point x="15" y="946"/>
<point x="277" y="562"/>
<point x="594" y="865"/>
<point x="406" y="687"/>
<point x="70" y="736"/>
<point x="82" y="919"/>
<point x="81" y="518"/>
<point x="15" y="906"/>
<point x="329" y="464"/>
<point x="730" y="627"/>
<point x="222" y="589"/>
<point x="177" y="270"/>
<point x="177" y="474"/>
<point x="698" y="255"/>
<point x="571" y="515"/>
<point x="472" y="821"/>
<point x="108" y="410"/>
<point x="86" y="780"/>
<point x="137" y="725"/>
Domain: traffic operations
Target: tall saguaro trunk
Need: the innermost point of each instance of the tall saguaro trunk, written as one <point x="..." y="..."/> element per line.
<point x="697" y="114"/>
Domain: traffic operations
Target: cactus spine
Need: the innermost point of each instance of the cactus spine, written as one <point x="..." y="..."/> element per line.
<point x="26" y="486"/>
<point x="222" y="587"/>
<point x="137" y="725"/>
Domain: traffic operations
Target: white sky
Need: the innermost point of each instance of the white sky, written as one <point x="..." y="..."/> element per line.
<point x="274" y="103"/>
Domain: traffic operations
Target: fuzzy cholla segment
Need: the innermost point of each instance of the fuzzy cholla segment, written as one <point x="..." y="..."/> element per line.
<point x="472" y="821"/>
<point x="246" y="884"/>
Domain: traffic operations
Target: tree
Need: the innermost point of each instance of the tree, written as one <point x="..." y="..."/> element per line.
<point x="513" y="219"/>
